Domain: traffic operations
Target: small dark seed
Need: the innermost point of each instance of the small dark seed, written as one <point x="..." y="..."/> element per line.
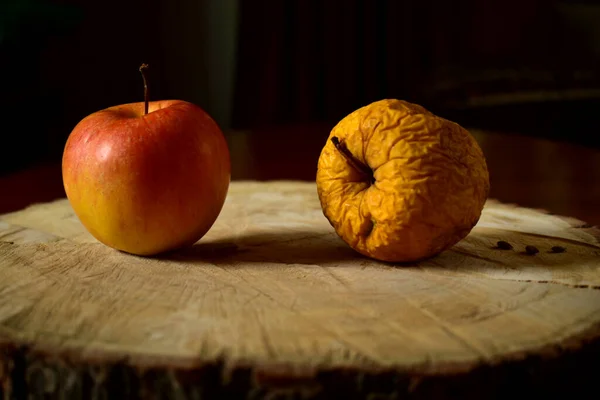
<point x="504" y="245"/>
<point x="531" y="250"/>
<point x="558" y="249"/>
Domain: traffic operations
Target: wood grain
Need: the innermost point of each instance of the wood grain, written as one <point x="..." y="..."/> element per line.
<point x="271" y="301"/>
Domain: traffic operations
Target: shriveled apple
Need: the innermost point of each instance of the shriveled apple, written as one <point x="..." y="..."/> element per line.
<point x="400" y="184"/>
<point x="147" y="177"/>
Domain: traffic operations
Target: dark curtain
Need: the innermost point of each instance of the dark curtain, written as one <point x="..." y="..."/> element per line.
<point x="315" y="60"/>
<point x="304" y="60"/>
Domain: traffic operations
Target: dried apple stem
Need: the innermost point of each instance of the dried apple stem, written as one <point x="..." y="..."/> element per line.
<point x="143" y="68"/>
<point x="353" y="161"/>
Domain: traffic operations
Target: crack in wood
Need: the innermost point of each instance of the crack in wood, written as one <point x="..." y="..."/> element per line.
<point x="570" y="285"/>
<point x="12" y="231"/>
<point x="554" y="238"/>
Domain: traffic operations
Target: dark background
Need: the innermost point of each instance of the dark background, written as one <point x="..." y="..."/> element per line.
<point x="518" y="66"/>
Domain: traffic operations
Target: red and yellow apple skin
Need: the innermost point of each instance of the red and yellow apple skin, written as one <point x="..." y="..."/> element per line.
<point x="147" y="183"/>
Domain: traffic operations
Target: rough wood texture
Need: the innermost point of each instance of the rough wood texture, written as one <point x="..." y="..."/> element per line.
<point x="272" y="304"/>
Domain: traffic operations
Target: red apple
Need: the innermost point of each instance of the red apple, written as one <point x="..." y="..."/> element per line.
<point x="147" y="177"/>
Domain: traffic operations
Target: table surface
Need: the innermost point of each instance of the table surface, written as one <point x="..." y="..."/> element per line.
<point x="561" y="178"/>
<point x="273" y="304"/>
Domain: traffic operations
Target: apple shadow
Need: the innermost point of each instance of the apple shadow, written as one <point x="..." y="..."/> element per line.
<point x="477" y="251"/>
<point x="297" y="247"/>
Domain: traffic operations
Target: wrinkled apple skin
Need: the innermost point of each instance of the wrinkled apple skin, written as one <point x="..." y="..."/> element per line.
<point x="431" y="182"/>
<point x="146" y="184"/>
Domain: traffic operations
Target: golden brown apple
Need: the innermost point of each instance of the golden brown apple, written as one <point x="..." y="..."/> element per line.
<point x="400" y="184"/>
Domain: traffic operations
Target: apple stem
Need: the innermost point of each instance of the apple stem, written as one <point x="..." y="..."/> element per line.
<point x="143" y="68"/>
<point x="353" y="161"/>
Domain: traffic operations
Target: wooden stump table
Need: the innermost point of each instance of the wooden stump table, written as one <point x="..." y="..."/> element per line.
<point x="272" y="304"/>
